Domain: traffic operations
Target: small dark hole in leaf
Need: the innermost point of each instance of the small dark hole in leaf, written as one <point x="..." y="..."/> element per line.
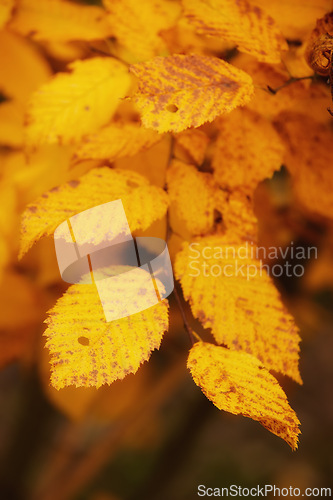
<point x="83" y="341"/>
<point x="172" y="108"/>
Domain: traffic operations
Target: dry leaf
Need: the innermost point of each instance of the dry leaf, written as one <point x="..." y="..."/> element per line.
<point x="60" y="20"/>
<point x="229" y="293"/>
<point x="74" y="104"/>
<point x="181" y="91"/>
<point x="242" y="23"/>
<point x="142" y="203"/>
<point x="87" y="351"/>
<point x="238" y="383"/>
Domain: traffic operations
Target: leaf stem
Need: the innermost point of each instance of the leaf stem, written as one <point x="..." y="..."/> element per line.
<point x="192" y="335"/>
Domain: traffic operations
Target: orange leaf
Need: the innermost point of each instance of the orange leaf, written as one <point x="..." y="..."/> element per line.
<point x="238" y="383"/>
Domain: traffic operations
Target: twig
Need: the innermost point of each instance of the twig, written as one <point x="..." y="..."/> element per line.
<point x="288" y="82"/>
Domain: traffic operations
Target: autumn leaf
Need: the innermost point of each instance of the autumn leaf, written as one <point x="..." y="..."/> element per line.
<point x="247" y="150"/>
<point x="117" y="140"/>
<point x="185" y="185"/>
<point x="74" y="104"/>
<point x="184" y="91"/>
<point x="136" y="25"/>
<point x="238" y="383"/>
<point x="143" y="203"/>
<point x="6" y="7"/>
<point x="308" y="159"/>
<point x="87" y="351"/>
<point x="243" y="308"/>
<point x="247" y="25"/>
<point x="60" y="20"/>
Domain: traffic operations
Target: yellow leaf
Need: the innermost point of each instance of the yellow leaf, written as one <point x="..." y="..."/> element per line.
<point x="247" y="150"/>
<point x="136" y="25"/>
<point x="308" y="158"/>
<point x="192" y="144"/>
<point x="87" y="351"/>
<point x="238" y="383"/>
<point x="22" y="67"/>
<point x="74" y="104"/>
<point x="184" y="91"/>
<point x="143" y="203"/>
<point x="6" y="7"/>
<point x="185" y="187"/>
<point x="248" y="26"/>
<point x="230" y="293"/>
<point x="11" y="124"/>
<point x="116" y="141"/>
<point x="59" y="20"/>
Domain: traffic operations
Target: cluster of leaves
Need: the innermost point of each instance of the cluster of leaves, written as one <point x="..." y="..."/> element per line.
<point x="149" y="102"/>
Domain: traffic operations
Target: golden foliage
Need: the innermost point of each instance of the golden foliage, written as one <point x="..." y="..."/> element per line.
<point x="143" y="203"/>
<point x="238" y="383"/>
<point x="247" y="150"/>
<point x="87" y="351"/>
<point x="116" y="141"/>
<point x="242" y="23"/>
<point x="59" y="20"/>
<point x="74" y="104"/>
<point x="191" y="121"/>
<point x="243" y="309"/>
<point x="181" y="91"/>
